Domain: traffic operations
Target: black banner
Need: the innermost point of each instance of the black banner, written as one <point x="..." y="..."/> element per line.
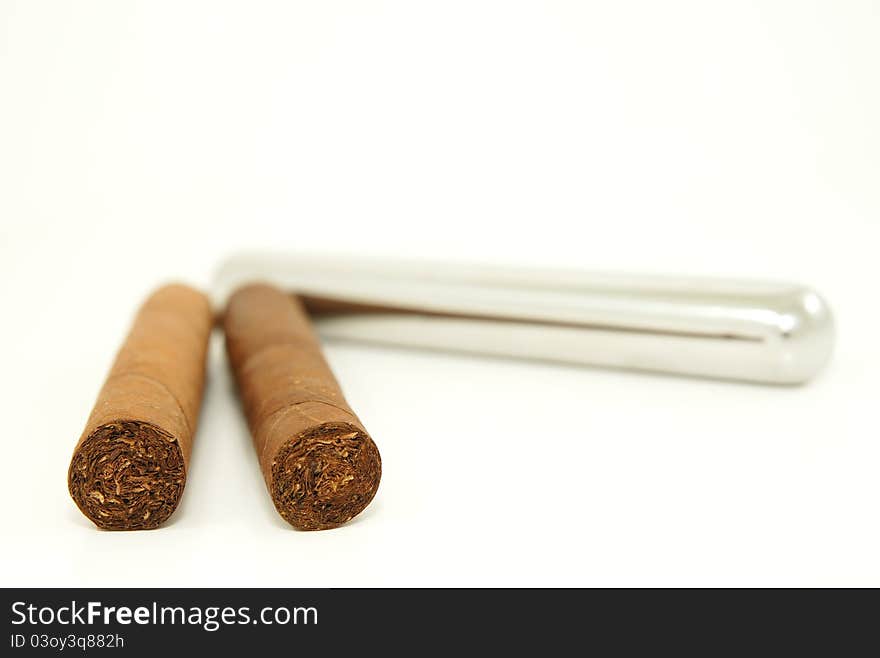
<point x="154" y="621"/>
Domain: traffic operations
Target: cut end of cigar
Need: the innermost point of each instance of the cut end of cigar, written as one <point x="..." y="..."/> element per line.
<point x="127" y="475"/>
<point x="325" y="476"/>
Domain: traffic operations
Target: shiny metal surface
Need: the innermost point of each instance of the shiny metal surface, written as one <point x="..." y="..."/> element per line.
<point x="756" y="331"/>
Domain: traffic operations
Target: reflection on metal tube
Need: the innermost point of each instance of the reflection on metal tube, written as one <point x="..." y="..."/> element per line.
<point x="756" y="331"/>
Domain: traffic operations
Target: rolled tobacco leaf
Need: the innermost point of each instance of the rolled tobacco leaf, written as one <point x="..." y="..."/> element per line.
<point x="129" y="468"/>
<point x="319" y="463"/>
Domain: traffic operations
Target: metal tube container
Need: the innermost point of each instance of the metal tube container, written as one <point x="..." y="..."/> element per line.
<point x="759" y="331"/>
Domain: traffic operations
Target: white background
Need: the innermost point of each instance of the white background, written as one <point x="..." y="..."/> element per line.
<point x="141" y="142"/>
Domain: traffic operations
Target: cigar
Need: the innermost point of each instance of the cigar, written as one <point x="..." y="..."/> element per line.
<point x="129" y="467"/>
<point x="320" y="465"/>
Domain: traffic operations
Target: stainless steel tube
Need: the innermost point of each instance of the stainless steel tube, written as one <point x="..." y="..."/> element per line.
<point x="768" y="332"/>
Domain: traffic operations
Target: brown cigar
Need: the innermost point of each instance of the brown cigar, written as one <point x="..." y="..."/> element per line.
<point x="129" y="467"/>
<point x="319" y="463"/>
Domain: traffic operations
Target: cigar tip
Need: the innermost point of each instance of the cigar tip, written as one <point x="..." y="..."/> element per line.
<point x="256" y="287"/>
<point x="326" y="476"/>
<point x="178" y="288"/>
<point x="127" y="475"/>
